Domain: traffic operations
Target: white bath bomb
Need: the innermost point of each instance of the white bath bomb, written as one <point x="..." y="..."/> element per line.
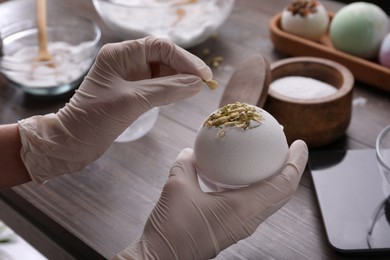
<point x="384" y="51"/>
<point x="305" y="18"/>
<point x="238" y="145"/>
<point x="359" y="29"/>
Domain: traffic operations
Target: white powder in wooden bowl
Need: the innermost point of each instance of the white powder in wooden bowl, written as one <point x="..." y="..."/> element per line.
<point x="302" y="87"/>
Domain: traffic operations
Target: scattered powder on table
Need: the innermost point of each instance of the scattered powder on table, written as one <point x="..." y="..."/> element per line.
<point x="71" y="62"/>
<point x="302" y="87"/>
<point x="359" y="101"/>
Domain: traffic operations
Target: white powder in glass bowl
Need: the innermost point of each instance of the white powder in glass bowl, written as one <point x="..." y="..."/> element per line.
<point x="68" y="65"/>
<point x="186" y="23"/>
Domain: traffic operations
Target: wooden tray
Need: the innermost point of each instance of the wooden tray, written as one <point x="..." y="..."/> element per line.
<point x="366" y="71"/>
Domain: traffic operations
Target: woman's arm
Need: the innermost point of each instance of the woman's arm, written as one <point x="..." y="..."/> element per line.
<point x="12" y="169"/>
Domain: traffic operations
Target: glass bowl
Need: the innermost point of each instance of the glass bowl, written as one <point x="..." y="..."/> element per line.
<point x="73" y="43"/>
<point x="186" y="22"/>
<point x="379" y="226"/>
<point x="139" y="127"/>
<point x="383" y="153"/>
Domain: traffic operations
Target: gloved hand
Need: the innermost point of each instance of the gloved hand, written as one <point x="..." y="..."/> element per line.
<point x="188" y="223"/>
<point x="126" y="80"/>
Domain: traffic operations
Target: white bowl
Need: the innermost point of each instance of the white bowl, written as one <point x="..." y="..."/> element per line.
<point x="139" y="127"/>
<point x="187" y="23"/>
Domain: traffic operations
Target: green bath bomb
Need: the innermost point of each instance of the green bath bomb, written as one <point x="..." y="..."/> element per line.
<point x="359" y="29"/>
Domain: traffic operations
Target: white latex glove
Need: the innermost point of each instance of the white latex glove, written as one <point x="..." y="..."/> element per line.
<point x="126" y="80"/>
<point x="188" y="223"/>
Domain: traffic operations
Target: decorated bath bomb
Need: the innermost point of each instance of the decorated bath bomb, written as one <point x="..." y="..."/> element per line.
<point x="305" y="18"/>
<point x="238" y="145"/>
<point x="359" y="29"/>
<point x="384" y="52"/>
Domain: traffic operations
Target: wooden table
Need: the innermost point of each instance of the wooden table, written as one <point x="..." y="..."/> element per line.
<point x="99" y="211"/>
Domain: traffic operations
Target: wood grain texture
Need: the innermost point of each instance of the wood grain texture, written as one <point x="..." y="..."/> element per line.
<point x="101" y="210"/>
<point x="249" y="82"/>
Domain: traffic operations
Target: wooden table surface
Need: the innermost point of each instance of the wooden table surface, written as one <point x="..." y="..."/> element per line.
<point x="101" y="210"/>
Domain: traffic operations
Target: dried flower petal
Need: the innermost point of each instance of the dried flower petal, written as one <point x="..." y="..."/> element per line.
<point x="303" y="7"/>
<point x="235" y="115"/>
<point x="212" y="84"/>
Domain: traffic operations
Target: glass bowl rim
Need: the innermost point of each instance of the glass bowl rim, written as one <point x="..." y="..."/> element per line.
<point x="17" y="24"/>
<point x="28" y="23"/>
<point x="379" y="139"/>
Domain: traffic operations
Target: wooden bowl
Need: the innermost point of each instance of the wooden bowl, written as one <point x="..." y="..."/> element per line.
<point x="317" y="121"/>
<point x="366" y="71"/>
